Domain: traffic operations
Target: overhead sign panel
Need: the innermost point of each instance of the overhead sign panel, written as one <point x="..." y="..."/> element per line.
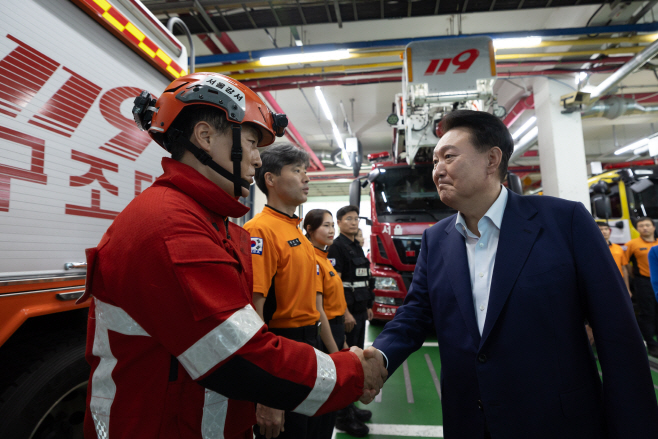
<point x="455" y="65"/>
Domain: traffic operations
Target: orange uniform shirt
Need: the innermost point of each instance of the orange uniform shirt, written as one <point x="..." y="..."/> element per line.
<point x="619" y="255"/>
<point x="285" y="269"/>
<point x="639" y="249"/>
<point x="332" y="287"/>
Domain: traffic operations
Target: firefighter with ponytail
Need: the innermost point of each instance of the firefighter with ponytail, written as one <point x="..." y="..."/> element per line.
<point x="175" y="346"/>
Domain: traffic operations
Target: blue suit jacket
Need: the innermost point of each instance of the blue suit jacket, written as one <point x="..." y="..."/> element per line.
<point x="532" y="370"/>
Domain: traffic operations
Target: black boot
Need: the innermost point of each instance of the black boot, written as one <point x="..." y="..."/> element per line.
<point x="361" y="415"/>
<point x="347" y="422"/>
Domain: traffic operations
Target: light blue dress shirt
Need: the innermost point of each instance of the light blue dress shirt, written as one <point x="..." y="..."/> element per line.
<point x="481" y="253"/>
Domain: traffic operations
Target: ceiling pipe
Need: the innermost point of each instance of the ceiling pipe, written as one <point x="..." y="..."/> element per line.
<point x="256" y="54"/>
<point x="528" y="142"/>
<point x="611" y="60"/>
<point x="301" y="79"/>
<point x="611" y="81"/>
<point x="270" y="99"/>
<point x="327" y="83"/>
<point x="525" y="103"/>
<point x="616" y="106"/>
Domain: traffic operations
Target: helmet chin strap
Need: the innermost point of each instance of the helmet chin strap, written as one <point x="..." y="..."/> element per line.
<point x="177" y="136"/>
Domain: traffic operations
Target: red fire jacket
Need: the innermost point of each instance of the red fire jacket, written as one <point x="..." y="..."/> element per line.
<point x="175" y="346"/>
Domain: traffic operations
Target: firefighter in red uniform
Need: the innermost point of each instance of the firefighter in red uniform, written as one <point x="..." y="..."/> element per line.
<point x="175" y="346"/>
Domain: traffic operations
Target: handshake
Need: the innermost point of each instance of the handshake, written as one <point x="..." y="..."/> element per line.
<point x="374" y="372"/>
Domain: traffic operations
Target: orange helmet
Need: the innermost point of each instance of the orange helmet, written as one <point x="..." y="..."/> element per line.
<point x="238" y="102"/>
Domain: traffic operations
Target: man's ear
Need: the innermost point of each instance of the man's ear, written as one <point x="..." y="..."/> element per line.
<point x="495" y="156"/>
<point x="269" y="179"/>
<point x="201" y="135"/>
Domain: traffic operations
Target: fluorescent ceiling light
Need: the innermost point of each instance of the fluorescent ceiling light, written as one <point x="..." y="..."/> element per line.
<point x="305" y="57"/>
<point x="641" y="150"/>
<point x="633" y="146"/>
<point x="516" y="43"/>
<point x="337" y="136"/>
<point x="531" y="136"/>
<point x="299" y="43"/>
<point x="580" y="77"/>
<point x="327" y="113"/>
<point x="525" y="127"/>
<point x="323" y="104"/>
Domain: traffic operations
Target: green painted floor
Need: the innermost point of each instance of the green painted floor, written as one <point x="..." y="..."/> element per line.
<point x="394" y="417"/>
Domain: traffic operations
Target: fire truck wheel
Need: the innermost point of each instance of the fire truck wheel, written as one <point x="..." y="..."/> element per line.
<point x="48" y="399"/>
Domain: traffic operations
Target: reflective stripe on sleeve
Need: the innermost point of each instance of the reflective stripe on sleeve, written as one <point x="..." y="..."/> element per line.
<point x="222" y="342"/>
<point x="325" y="381"/>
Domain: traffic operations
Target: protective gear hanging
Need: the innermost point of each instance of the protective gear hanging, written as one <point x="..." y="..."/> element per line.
<point x="239" y="103"/>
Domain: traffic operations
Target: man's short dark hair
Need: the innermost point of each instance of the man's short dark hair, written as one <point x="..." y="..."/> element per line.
<point x="187" y="120"/>
<point x="345" y="210"/>
<point x="275" y="158"/>
<point x="602" y="224"/>
<point x="644" y="218"/>
<point x="486" y="130"/>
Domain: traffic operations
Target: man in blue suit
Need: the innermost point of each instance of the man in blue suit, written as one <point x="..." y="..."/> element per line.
<point x="507" y="284"/>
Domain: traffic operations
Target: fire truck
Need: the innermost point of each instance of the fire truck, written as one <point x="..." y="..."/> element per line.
<point x="438" y="77"/>
<point x="71" y="158"/>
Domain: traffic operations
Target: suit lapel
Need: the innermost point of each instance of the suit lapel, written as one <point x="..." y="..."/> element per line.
<point x="517" y="236"/>
<point x="456" y="262"/>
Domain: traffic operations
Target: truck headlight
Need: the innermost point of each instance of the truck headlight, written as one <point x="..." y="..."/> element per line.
<point x="385" y="300"/>
<point x="386" y="284"/>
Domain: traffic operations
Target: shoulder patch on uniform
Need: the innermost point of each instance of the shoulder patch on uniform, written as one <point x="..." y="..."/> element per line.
<point x="333" y="261"/>
<point x="256" y="246"/>
<point x="294" y="242"/>
<point x="624" y="247"/>
<point x="317" y="268"/>
<point x="332" y="274"/>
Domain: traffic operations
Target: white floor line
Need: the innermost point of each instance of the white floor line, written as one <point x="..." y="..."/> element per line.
<point x="403" y="430"/>
<point x="427" y="344"/>
<point x="407" y="382"/>
<point x="437" y="383"/>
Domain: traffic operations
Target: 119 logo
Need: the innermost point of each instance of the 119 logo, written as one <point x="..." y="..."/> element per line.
<point x="463" y="61"/>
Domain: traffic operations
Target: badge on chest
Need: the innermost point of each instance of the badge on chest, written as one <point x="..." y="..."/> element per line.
<point x="361" y="272"/>
<point x="294" y="242"/>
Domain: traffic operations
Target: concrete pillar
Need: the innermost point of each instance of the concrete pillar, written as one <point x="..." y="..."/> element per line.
<point x="561" y="145"/>
<point x="259" y="200"/>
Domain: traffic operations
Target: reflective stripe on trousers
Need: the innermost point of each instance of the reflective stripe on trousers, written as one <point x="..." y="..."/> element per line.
<point x="103" y="388"/>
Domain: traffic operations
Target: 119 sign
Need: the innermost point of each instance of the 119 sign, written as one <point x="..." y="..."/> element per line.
<point x="463" y="61"/>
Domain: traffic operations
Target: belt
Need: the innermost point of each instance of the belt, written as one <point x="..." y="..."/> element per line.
<point x="360" y="284"/>
<point x="301" y="333"/>
<point x="340" y="320"/>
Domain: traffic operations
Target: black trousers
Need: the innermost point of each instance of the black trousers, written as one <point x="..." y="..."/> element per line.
<point x="326" y="425"/>
<point x="647" y="309"/>
<point x="357" y="336"/>
<point x="300" y="426"/>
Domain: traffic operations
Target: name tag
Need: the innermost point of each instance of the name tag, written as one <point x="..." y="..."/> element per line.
<point x="294" y="243"/>
<point x="361" y="271"/>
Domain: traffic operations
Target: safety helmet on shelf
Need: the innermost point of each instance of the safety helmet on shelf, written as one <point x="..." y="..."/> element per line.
<point x="239" y="104"/>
